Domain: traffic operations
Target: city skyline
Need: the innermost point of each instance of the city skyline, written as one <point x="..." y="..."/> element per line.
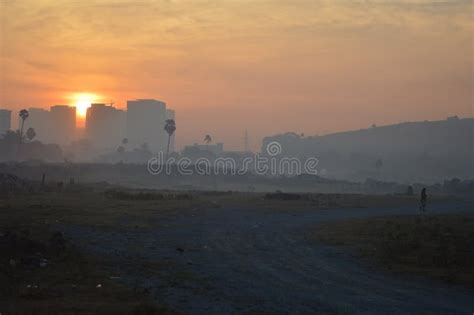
<point x="314" y="67"/>
<point x="105" y="127"/>
<point x="236" y="156"/>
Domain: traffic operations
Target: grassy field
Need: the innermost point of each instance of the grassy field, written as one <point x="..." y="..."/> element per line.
<point x="41" y="273"/>
<point x="39" y="270"/>
<point x="440" y="247"/>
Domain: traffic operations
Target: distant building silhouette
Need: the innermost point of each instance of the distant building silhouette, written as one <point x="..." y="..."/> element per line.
<point x="63" y="119"/>
<point x="5" y="120"/>
<point x="58" y="125"/>
<point x="145" y="123"/>
<point x="197" y="150"/>
<point x="39" y="119"/>
<point x="105" y="126"/>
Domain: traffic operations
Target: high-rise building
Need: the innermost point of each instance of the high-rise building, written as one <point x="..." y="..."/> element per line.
<point x="170" y="114"/>
<point x="105" y="126"/>
<point x="58" y="125"/>
<point x="5" y="120"/>
<point x="63" y="124"/>
<point x="40" y="120"/>
<point x="145" y="124"/>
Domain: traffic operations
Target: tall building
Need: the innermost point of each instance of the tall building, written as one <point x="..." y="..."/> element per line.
<point x="58" y="125"/>
<point x="39" y="119"/>
<point x="5" y="120"/>
<point x="145" y="124"/>
<point x="170" y="114"/>
<point x="105" y="126"/>
<point x="63" y="124"/>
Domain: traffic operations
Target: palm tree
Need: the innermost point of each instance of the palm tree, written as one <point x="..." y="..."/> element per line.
<point x="208" y="139"/>
<point x="170" y="127"/>
<point x="23" y="115"/>
<point x="30" y="133"/>
<point x="120" y="149"/>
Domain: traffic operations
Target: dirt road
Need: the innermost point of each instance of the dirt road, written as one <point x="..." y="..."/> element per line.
<point x="226" y="261"/>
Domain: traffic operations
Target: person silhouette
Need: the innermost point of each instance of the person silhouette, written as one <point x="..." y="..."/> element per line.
<point x="423" y="199"/>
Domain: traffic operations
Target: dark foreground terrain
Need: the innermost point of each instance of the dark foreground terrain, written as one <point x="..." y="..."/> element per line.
<point x="205" y="253"/>
<point x="437" y="246"/>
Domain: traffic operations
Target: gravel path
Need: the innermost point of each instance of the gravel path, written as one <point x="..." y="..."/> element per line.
<point x="227" y="261"/>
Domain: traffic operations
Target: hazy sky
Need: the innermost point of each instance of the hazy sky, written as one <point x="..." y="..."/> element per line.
<point x="311" y="67"/>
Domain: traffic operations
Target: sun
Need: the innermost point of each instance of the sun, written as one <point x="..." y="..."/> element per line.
<point x="83" y="101"/>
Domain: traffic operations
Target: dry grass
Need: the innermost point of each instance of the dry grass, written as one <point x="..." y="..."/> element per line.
<point x="68" y="282"/>
<point x="440" y="246"/>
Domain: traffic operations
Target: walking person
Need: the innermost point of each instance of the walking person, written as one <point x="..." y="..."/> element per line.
<point x="423" y="200"/>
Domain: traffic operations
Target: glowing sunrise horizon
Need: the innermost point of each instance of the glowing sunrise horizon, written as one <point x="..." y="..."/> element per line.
<point x="82" y="101"/>
<point x="315" y="66"/>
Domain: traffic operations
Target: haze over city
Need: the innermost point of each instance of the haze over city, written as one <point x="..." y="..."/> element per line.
<point x="314" y="67"/>
<point x="236" y="157"/>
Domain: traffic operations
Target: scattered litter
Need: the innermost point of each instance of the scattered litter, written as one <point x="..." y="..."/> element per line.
<point x="12" y="262"/>
<point x="179" y="249"/>
<point x="99" y="286"/>
<point x="114" y="277"/>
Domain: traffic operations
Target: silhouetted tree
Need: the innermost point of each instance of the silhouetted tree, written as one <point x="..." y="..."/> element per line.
<point x="121" y="148"/>
<point x="208" y="140"/>
<point x="378" y="165"/>
<point x="31" y="134"/>
<point x="170" y="127"/>
<point x="23" y="115"/>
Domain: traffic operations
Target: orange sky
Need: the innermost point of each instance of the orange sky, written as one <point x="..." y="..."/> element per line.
<point x="311" y="67"/>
